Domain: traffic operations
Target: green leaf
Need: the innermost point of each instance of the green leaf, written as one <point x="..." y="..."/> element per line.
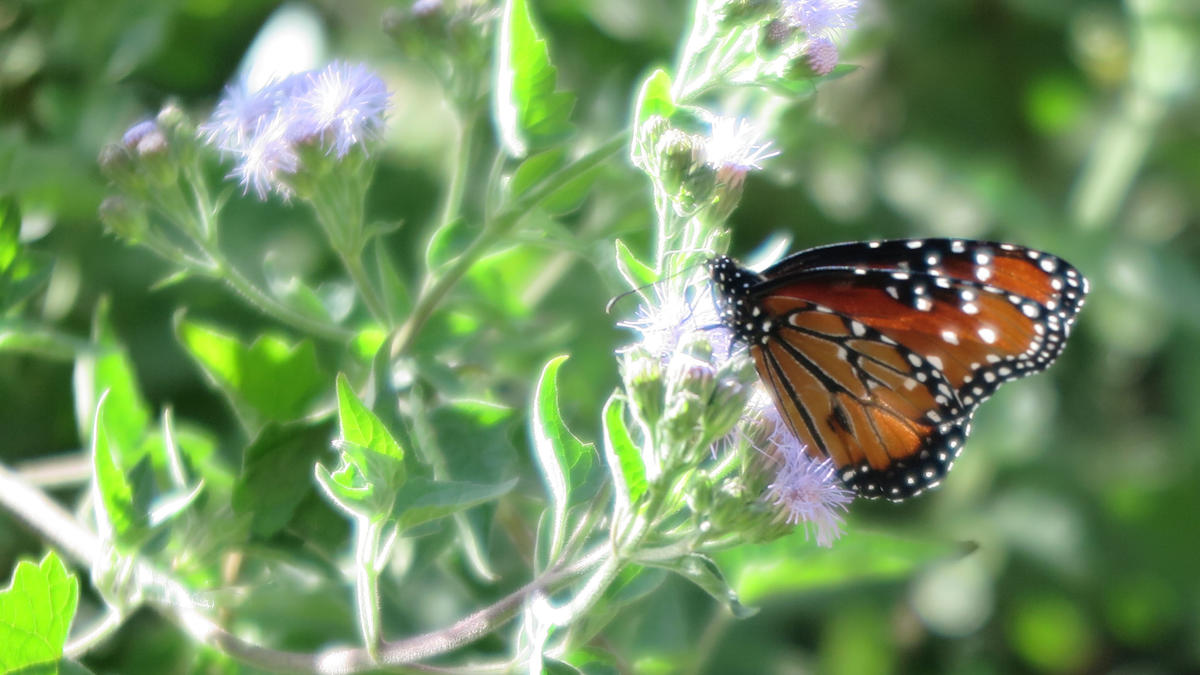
<point x="361" y="426"/>
<point x="635" y="272"/>
<point x="292" y="291"/>
<point x="534" y="169"/>
<point x="107" y="368"/>
<point x="271" y="380"/>
<point x="27" y="337"/>
<point x="120" y="518"/>
<point x="654" y="98"/>
<point x="623" y="457"/>
<point x="10" y="235"/>
<point x="702" y="571"/>
<point x="793" y="564"/>
<point x="35" y="613"/>
<point x="447" y="242"/>
<point x="276" y="470"/>
<point x="563" y="460"/>
<point x="528" y="112"/>
<point x="396" y="297"/>
<point x="422" y="500"/>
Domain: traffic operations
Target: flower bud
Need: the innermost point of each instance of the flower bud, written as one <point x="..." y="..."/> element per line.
<point x="682" y="415"/>
<point x="123" y="219"/>
<point x="725" y="408"/>
<point x="644" y="382"/>
<point x="117" y="165"/>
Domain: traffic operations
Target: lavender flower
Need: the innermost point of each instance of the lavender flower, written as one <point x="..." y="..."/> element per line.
<point x="806" y="490"/>
<point x="820" y="18"/>
<point x="337" y="108"/>
<point x="344" y="105"/>
<point x="821" y="21"/>
<point x="822" y="55"/>
<point x="265" y="156"/>
<point x="145" y="138"/>
<point x="733" y="148"/>
<point x="668" y="325"/>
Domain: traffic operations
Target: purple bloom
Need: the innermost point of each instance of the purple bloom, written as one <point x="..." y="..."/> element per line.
<point x="820" y="18"/>
<point x="339" y="107"/>
<point x="343" y="105"/>
<point x="666" y="326"/>
<point x="733" y="148"/>
<point x="138" y="132"/>
<point x="806" y="490"/>
<point x="238" y="115"/>
<point x="266" y="155"/>
<point x="822" y="55"/>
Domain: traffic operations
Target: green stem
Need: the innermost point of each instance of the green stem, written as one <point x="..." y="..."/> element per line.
<point x="456" y="186"/>
<point x="268" y="305"/>
<point x="435" y="290"/>
<point x="358" y="274"/>
<point x="366" y="583"/>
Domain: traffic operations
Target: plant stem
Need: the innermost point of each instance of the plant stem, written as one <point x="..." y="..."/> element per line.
<point x="366" y="583"/>
<point x="435" y="290"/>
<point x="172" y="599"/>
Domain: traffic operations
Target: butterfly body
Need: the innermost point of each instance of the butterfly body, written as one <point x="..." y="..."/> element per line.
<point x="878" y="353"/>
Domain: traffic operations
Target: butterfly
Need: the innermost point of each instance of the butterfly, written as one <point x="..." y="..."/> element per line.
<point x="878" y="353"/>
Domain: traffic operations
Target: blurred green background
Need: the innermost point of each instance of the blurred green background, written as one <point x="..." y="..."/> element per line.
<point x="1068" y="126"/>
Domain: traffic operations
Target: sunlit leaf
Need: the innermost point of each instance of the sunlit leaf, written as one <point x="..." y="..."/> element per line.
<point x="276" y="474"/>
<point x="528" y="110"/>
<point x="271" y="380"/>
<point x="562" y="459"/>
<point x="35" y="613"/>
<point x="623" y="456"/>
<point x="793" y="564"/>
<point x="422" y="500"/>
<point x="108" y="368"/>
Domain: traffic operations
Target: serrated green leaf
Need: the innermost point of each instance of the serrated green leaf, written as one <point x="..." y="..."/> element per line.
<point x="623" y="457"/>
<point x="36" y="612"/>
<point x="108" y="368"/>
<point x="528" y="111"/>
<point x="563" y="460"/>
<point x="793" y="564"/>
<point x="271" y="380"/>
<point x="276" y="470"/>
<point x="422" y="500"/>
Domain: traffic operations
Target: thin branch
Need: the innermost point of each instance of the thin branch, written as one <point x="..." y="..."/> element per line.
<point x="175" y="601"/>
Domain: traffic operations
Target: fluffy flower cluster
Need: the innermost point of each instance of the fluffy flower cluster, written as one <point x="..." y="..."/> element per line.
<point x="821" y="21"/>
<point x="802" y="491"/>
<point x="337" y="108"/>
<point x="735" y="147"/>
<point x="806" y="490"/>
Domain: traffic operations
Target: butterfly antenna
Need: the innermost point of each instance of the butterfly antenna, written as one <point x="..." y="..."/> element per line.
<point x="615" y="299"/>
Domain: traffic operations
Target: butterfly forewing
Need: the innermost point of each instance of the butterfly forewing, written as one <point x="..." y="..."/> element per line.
<point x="878" y="353"/>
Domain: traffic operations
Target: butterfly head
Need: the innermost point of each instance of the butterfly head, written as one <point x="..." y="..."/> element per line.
<point x="733" y="292"/>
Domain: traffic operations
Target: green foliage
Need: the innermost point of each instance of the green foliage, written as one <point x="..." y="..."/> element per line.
<point x="35" y="612"/>
<point x="341" y="446"/>
<point x="271" y="380"/>
<point x="529" y="112"/>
